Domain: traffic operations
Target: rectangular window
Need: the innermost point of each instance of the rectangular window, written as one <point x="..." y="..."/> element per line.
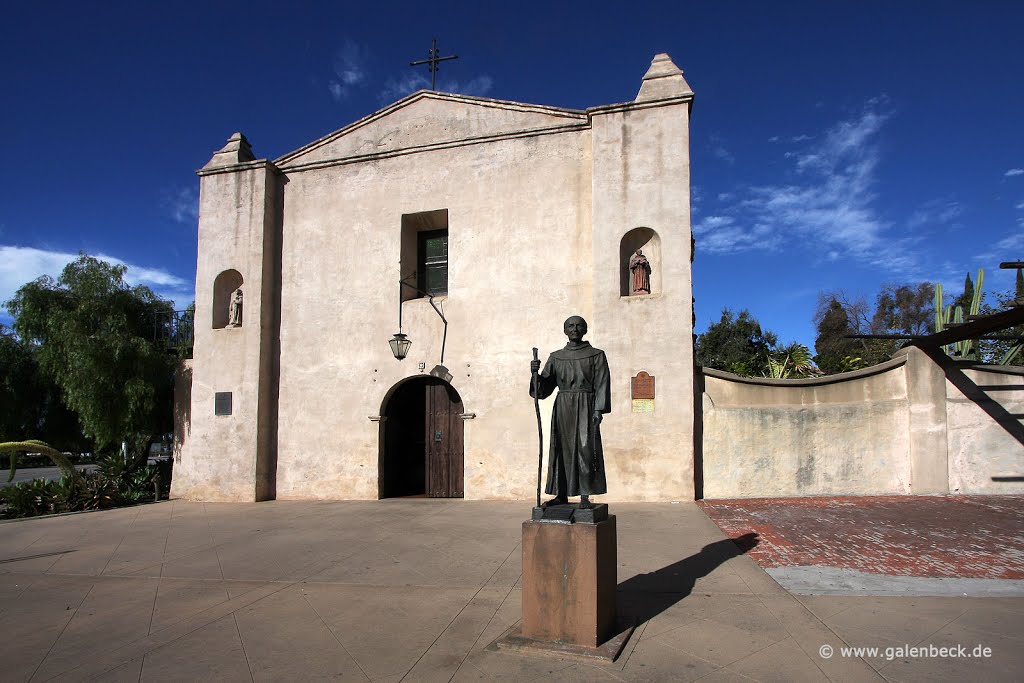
<point x="432" y="261"/>
<point x="424" y="255"/>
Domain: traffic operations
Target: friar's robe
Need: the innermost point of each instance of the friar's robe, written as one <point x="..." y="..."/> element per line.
<point x="575" y="456"/>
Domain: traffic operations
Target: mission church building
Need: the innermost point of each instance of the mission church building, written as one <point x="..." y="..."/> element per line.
<point x="472" y="228"/>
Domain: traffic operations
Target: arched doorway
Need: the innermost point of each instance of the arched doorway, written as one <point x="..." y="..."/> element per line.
<point x="421" y="440"/>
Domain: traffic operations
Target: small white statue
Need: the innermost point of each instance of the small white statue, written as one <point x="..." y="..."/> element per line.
<point x="235" y="310"/>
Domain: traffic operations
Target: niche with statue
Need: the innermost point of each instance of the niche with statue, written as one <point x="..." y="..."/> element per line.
<point x="640" y="263"/>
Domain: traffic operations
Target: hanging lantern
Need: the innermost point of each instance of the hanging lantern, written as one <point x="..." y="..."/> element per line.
<point x="400" y="345"/>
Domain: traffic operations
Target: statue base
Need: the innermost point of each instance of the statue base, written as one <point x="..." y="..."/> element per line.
<point x="569" y="513"/>
<point x="607" y="652"/>
<point x="569" y="586"/>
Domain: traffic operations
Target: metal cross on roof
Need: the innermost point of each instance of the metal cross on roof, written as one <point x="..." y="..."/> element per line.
<point x="432" y="61"/>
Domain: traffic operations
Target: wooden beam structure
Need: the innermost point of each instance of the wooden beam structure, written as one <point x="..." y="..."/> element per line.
<point x="974" y="329"/>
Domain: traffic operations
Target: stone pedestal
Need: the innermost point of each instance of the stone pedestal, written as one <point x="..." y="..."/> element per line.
<point x="569" y="581"/>
<point x="569" y="587"/>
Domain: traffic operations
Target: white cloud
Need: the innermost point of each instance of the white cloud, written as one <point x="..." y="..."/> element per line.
<point x="719" y="150"/>
<point x="20" y="265"/>
<point x="396" y="88"/>
<point x="349" y="69"/>
<point x="479" y="86"/>
<point x="1014" y="171"/>
<point x="828" y="204"/>
<point x="712" y="223"/>
<point x="723" y="154"/>
<point x="935" y="212"/>
<point x="182" y="203"/>
<point x="1008" y="248"/>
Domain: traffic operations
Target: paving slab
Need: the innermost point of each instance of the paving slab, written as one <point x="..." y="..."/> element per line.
<point x="419" y="590"/>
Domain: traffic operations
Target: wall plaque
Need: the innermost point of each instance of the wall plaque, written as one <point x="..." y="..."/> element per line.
<point x="643" y="405"/>
<point x="642" y="386"/>
<point x="222" y="403"/>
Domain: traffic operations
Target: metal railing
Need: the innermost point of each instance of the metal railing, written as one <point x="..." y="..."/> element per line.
<point x="175" y="330"/>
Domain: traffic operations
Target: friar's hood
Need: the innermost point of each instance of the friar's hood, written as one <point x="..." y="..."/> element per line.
<point x="576" y="351"/>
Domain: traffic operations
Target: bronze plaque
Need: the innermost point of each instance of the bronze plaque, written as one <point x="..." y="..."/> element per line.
<point x="222" y="403"/>
<point x="642" y="386"/>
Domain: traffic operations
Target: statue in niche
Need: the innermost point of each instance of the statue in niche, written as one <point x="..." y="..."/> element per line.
<point x="575" y="455"/>
<point x="640" y="274"/>
<point x="235" y="309"/>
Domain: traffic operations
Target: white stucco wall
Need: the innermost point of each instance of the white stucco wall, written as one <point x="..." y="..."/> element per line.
<point x="986" y="431"/>
<point x="918" y="424"/>
<point x="845" y="434"/>
<point x="519" y="264"/>
<point x="642" y="179"/>
<point x="536" y="215"/>
<point x="219" y="461"/>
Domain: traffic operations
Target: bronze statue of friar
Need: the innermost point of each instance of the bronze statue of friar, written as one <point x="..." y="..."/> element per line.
<point x="575" y="456"/>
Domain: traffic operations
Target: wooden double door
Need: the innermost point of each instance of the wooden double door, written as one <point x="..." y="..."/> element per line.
<point x="422" y="449"/>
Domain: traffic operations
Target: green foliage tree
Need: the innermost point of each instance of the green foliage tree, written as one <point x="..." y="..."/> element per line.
<point x="92" y="334"/>
<point x="1009" y="351"/>
<point x="905" y="309"/>
<point x="737" y="344"/>
<point x="30" y="402"/>
<point x="899" y="309"/>
<point x="964" y="300"/>
<point x="832" y="346"/>
<point x="21" y="393"/>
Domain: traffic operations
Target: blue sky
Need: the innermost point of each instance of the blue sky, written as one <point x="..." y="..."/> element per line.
<point x="837" y="145"/>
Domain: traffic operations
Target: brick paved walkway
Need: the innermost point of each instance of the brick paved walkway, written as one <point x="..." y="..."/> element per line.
<point x="922" y="536"/>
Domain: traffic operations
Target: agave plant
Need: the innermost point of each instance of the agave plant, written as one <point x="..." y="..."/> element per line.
<point x="12" y="448"/>
<point x="27" y="498"/>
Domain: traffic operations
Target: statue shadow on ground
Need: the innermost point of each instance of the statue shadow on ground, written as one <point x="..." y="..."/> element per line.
<point x="645" y="596"/>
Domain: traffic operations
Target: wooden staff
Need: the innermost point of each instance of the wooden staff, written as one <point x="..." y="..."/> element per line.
<point x="540" y="426"/>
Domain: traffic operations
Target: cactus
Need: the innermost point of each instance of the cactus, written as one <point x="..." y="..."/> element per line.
<point x="976" y="301"/>
<point x="966" y="348"/>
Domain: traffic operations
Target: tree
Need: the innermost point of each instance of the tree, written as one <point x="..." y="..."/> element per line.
<point x="964" y="300"/>
<point x="1009" y="350"/>
<point x="834" y="349"/>
<point x="20" y="392"/>
<point x="29" y="402"/>
<point x="92" y="335"/>
<point x="906" y="309"/>
<point x="736" y="344"/>
<point x="899" y="309"/>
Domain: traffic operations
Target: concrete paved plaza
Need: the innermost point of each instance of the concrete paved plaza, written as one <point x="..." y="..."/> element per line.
<point x="419" y="589"/>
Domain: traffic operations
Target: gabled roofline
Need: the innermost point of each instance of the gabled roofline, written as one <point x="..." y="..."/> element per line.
<point x="575" y="115"/>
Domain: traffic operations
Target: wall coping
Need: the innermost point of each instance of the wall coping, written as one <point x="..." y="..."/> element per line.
<point x="808" y="381"/>
<point x="989" y="367"/>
